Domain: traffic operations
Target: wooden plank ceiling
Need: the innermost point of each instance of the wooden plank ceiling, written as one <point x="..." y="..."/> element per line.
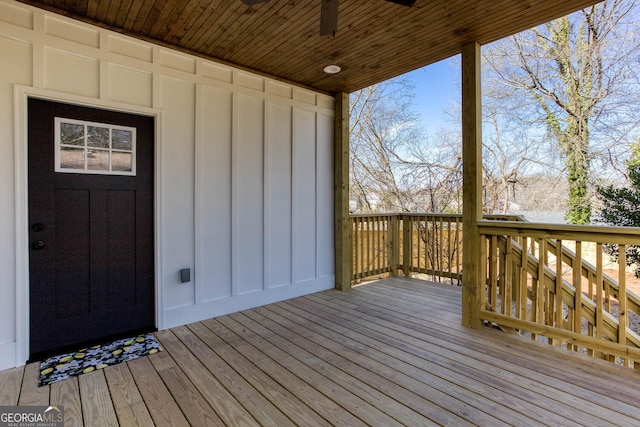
<point x="376" y="39"/>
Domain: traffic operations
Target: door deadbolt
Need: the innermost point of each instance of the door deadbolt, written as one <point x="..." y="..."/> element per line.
<point x="37" y="245"/>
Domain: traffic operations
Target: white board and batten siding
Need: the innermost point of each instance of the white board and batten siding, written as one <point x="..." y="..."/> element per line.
<point x="244" y="180"/>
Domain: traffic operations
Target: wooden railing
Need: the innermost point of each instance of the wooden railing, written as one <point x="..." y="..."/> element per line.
<point x="584" y="314"/>
<point x="415" y="243"/>
<point x="426" y="244"/>
<point x="536" y="285"/>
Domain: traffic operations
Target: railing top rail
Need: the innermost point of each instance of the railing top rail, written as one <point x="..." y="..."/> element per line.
<point x="373" y="215"/>
<point x="588" y="233"/>
<point x="517" y="218"/>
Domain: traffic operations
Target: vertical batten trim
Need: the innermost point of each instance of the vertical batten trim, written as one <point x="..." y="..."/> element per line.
<point x="472" y="292"/>
<point x="316" y="152"/>
<point x="234" y="194"/>
<point x="103" y="78"/>
<point x="266" y="180"/>
<point x="38" y="50"/>
<point x="198" y="189"/>
<point x="292" y="190"/>
<point x="156" y="75"/>
<point x="294" y="211"/>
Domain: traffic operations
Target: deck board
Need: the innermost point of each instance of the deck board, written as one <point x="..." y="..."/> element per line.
<point x="481" y="373"/>
<point x="127" y="401"/>
<point x="67" y="394"/>
<point x="160" y="403"/>
<point x="31" y="394"/>
<point x="228" y="408"/>
<point x="288" y="403"/>
<point x="392" y="352"/>
<point x="324" y="406"/>
<point x="254" y="402"/>
<point x="95" y="399"/>
<point x="528" y="369"/>
<point x="191" y="402"/>
<point x="420" y="372"/>
<point x="10" y="383"/>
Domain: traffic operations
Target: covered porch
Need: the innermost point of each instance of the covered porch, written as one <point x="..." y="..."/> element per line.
<point x="391" y="352"/>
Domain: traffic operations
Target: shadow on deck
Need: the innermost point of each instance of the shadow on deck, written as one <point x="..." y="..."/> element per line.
<point x="387" y="353"/>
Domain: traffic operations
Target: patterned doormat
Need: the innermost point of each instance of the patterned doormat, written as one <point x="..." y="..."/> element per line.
<point x="83" y="361"/>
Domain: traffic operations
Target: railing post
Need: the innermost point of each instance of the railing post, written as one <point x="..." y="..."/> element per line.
<point x="342" y="220"/>
<point x="473" y="242"/>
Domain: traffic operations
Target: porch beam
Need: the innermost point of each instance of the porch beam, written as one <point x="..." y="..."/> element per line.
<point x="472" y="185"/>
<point x="342" y="221"/>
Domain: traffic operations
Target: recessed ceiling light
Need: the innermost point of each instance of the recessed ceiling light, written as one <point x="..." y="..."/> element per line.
<point x="332" y="69"/>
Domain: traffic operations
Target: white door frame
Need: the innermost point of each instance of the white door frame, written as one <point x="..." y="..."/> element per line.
<point x="21" y="94"/>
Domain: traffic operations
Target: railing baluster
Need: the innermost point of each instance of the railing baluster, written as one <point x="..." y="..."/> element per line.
<point x="449" y="252"/>
<point x="407" y="256"/>
<point x="387" y="239"/>
<point x="378" y="251"/>
<point x="430" y="257"/>
<point x="370" y="243"/>
<point x="420" y="242"/>
<point x="542" y="249"/>
<point x="459" y="232"/>
<point x="362" y="237"/>
<point x="365" y="244"/>
<point x="394" y="242"/>
<point x="577" y="284"/>
<point x="536" y="281"/>
<point x="622" y="297"/>
<point x="380" y="247"/>
<point x="521" y="290"/>
<point x="590" y="326"/>
<point x="355" y="235"/>
<point x="384" y="232"/>
<point x="508" y="282"/>
<point x="558" y="289"/>
<point x="440" y="249"/>
<point x="428" y="249"/>
<point x="493" y="273"/>
<point x="433" y="260"/>
<point x="599" y="305"/>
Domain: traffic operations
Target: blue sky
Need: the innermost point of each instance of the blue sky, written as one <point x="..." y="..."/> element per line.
<point x="436" y="88"/>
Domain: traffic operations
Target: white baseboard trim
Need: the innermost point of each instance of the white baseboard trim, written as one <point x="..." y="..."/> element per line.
<point x="194" y="313"/>
<point x="8" y="356"/>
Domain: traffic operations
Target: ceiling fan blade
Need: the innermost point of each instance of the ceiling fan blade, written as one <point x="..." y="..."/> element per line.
<point x="407" y="3"/>
<point x="253" y="2"/>
<point x="328" y="17"/>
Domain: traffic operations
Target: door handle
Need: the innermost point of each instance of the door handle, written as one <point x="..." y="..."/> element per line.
<point x="37" y="245"/>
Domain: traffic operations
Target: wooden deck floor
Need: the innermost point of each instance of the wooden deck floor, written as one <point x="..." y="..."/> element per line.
<point x="388" y="353"/>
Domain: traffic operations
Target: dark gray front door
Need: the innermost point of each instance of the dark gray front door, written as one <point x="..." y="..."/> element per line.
<point x="91" y="225"/>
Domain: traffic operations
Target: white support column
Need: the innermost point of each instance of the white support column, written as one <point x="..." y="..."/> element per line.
<point x="472" y="280"/>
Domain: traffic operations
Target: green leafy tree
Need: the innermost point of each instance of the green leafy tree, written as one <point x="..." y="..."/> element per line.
<point x="621" y="207"/>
